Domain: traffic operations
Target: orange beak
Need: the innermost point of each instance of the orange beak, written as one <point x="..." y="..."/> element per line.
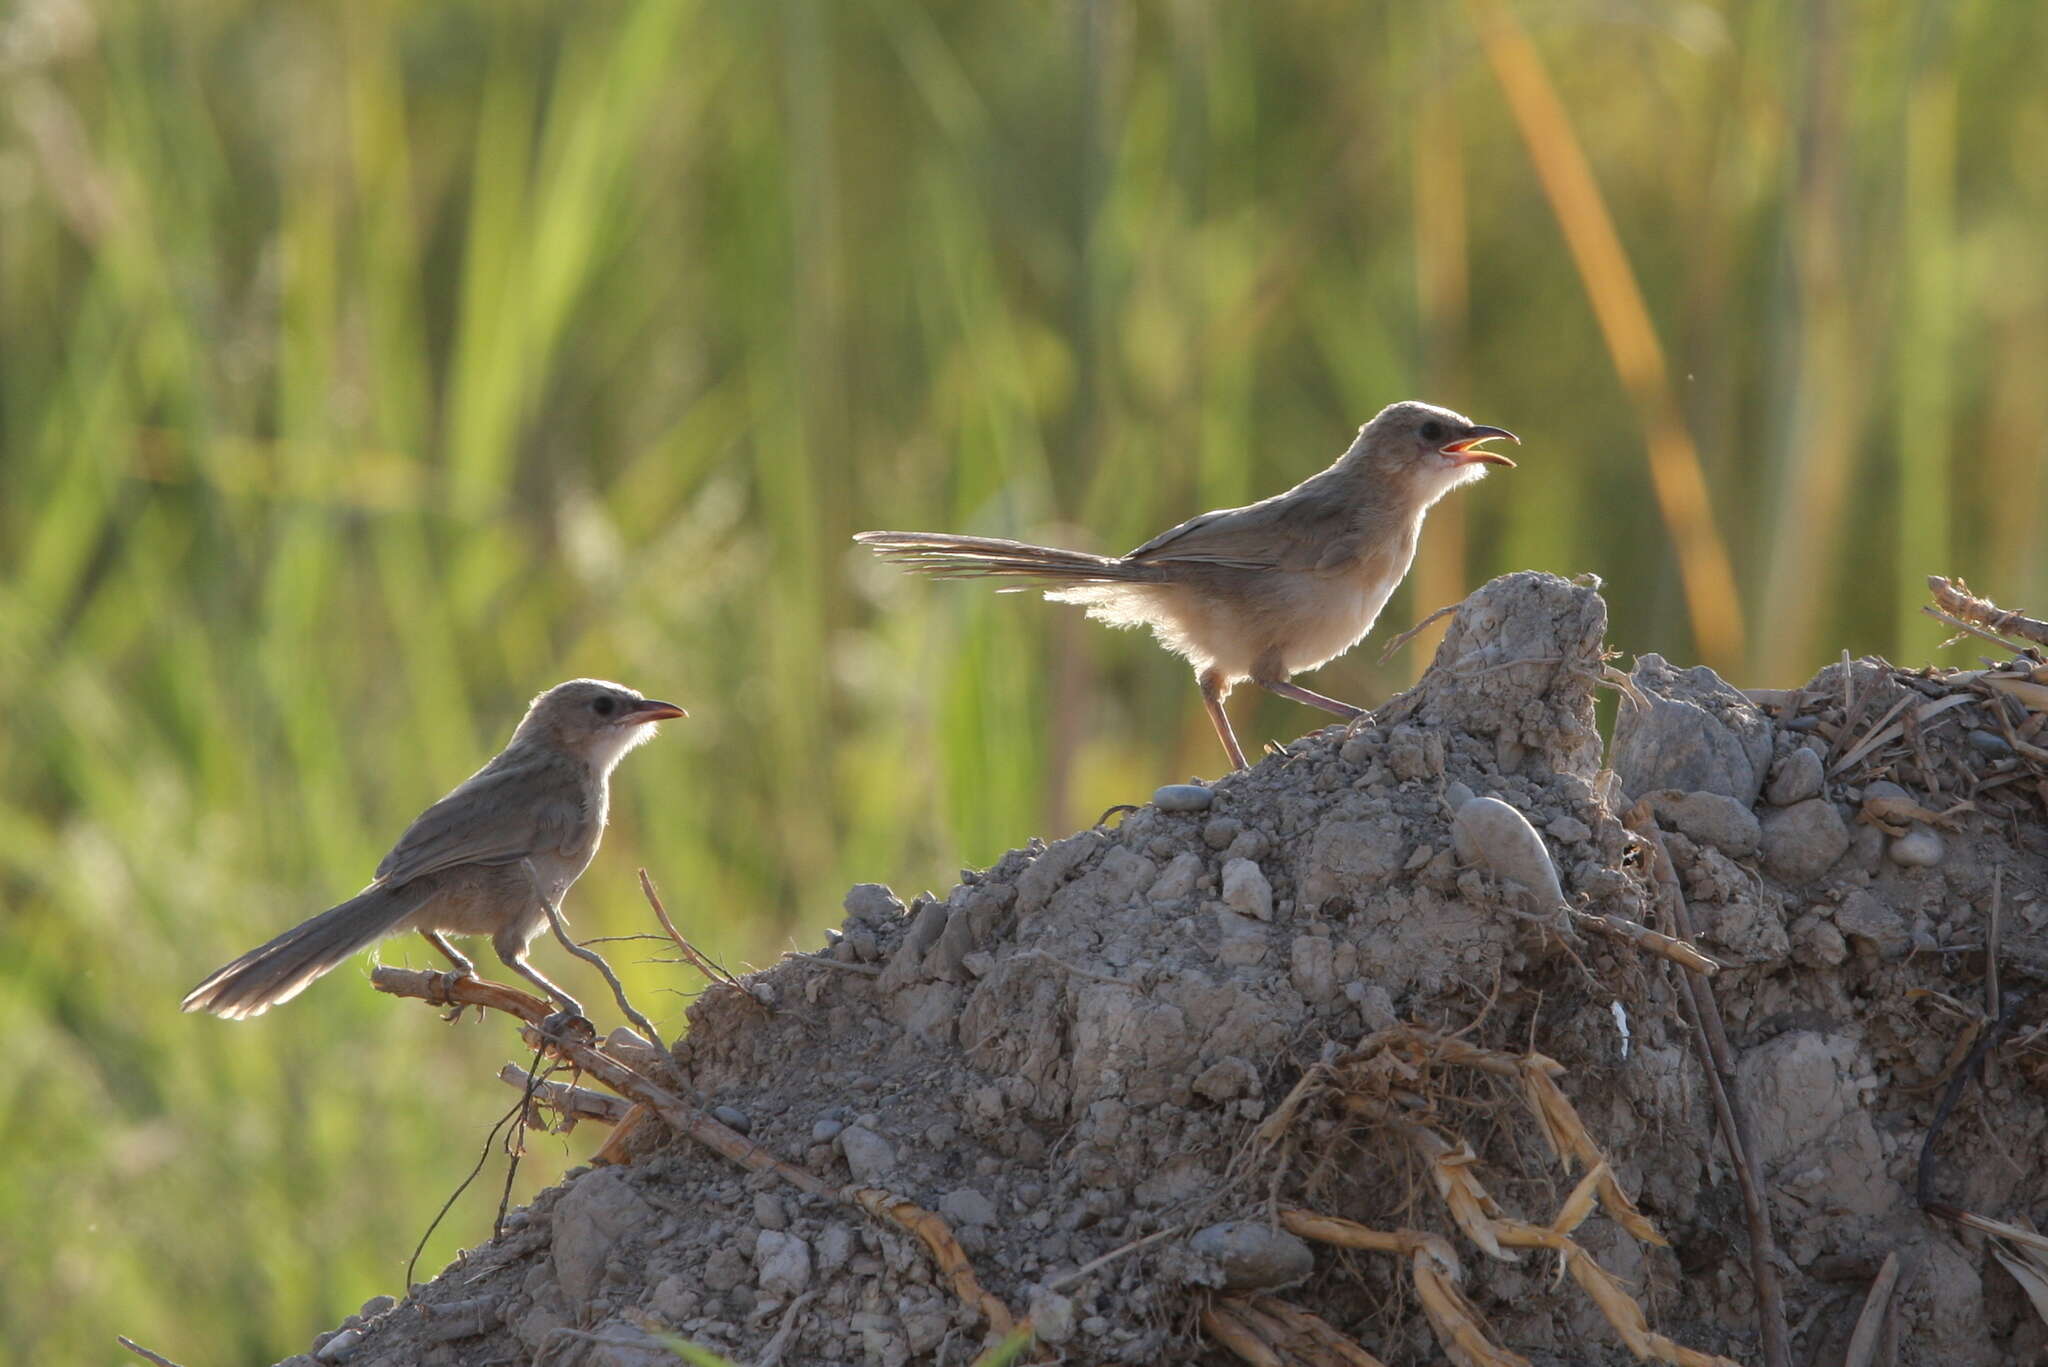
<point x="647" y="709"/>
<point x="1465" y="450"/>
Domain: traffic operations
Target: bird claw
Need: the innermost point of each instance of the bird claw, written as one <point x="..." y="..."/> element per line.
<point x="444" y="985"/>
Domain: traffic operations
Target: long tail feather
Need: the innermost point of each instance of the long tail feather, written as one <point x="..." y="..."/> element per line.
<point x="942" y="555"/>
<point x="286" y="966"/>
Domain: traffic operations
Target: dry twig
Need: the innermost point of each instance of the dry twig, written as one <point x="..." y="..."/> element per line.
<point x="589" y="956"/>
<point x="132" y="1346"/>
<point x="573" y="1102"/>
<point x="1738" y="1130"/>
<point x="710" y="968"/>
<point x="1954" y="596"/>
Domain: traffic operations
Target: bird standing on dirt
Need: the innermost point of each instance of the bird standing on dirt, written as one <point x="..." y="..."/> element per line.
<point x="478" y="862"/>
<point x="1261" y="592"/>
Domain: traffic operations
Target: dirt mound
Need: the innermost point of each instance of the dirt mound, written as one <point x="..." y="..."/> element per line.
<point x="1151" y="1077"/>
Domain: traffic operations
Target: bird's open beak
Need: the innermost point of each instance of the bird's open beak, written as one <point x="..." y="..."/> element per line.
<point x="1465" y="450"/>
<point x="647" y="709"/>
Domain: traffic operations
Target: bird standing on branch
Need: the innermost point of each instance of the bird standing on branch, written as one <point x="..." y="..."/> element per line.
<point x="487" y="859"/>
<point x="1262" y="592"/>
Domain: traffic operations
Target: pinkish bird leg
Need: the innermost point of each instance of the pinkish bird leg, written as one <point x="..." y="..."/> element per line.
<point x="1300" y="694"/>
<point x="1214" y="691"/>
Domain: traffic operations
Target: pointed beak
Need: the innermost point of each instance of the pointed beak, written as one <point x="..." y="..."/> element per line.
<point x="647" y="709"/>
<point x="1465" y="450"/>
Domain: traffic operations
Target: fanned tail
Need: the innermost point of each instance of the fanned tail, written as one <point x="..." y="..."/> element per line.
<point x="942" y="555"/>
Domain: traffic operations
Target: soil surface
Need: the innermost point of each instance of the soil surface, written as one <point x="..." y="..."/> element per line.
<point x="1304" y="989"/>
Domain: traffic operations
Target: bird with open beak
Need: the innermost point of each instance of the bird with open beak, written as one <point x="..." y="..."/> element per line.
<point x="484" y="860"/>
<point x="1263" y="592"/>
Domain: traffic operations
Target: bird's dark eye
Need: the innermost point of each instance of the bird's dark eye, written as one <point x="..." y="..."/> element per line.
<point x="604" y="706"/>
<point x="1432" y="430"/>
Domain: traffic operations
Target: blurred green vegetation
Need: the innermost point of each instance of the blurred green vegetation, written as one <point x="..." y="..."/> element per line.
<point x="369" y="367"/>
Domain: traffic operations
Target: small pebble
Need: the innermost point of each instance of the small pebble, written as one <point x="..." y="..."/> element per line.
<point x="1245" y="889"/>
<point x="1798" y="777"/>
<point x="1918" y="848"/>
<point x="769" y="1212"/>
<point x="966" y="1206"/>
<point x="1252" y="1255"/>
<point x="377" y="1305"/>
<point x="1491" y="834"/>
<point x="341" y="1347"/>
<point x="1360" y="749"/>
<point x="1052" y="1316"/>
<point x="734" y="1117"/>
<point x="1220" y="831"/>
<point x="1183" y="797"/>
<point x="868" y="1155"/>
<point x="1990" y="743"/>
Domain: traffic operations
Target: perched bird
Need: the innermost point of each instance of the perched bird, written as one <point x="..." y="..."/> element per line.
<point x="478" y="862"/>
<point x="1261" y="592"/>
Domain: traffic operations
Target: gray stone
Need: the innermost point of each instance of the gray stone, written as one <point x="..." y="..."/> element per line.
<point x="868" y="1155"/>
<point x="1252" y="1255"/>
<point x="1803" y="841"/>
<point x="769" y="1212"/>
<point x="732" y="1117"/>
<point x="1989" y="743"/>
<point x="595" y="1213"/>
<point x="1052" y="1315"/>
<point x="376" y="1306"/>
<point x="341" y="1347"/>
<point x="1245" y="889"/>
<point x="1183" y="797"/>
<point x="872" y="904"/>
<point x="782" y="1263"/>
<point x="1697" y="735"/>
<point x="1919" y="848"/>
<point x="966" y="1206"/>
<point x="1491" y="835"/>
<point x="835" y="1246"/>
<point x="825" y="1131"/>
<point x="1798" y="777"/>
<point x="1712" y="819"/>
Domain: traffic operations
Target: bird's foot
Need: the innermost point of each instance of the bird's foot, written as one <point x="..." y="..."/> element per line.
<point x="569" y="1026"/>
<point x="444" y="984"/>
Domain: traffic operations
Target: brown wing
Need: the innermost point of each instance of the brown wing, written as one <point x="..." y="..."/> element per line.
<point x="507" y="811"/>
<point x="1311" y="526"/>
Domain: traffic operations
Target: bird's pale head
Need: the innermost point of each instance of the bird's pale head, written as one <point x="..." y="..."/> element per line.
<point x="1428" y="450"/>
<point x="593" y="718"/>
